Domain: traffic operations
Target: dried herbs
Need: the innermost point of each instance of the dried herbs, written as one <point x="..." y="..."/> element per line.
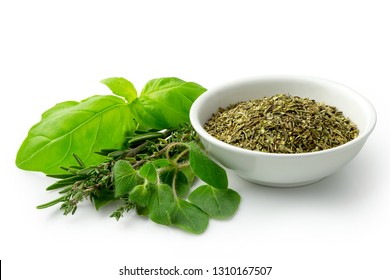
<point x="282" y="124"/>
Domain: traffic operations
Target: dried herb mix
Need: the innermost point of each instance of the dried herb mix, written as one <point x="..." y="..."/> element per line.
<point x="282" y="124"/>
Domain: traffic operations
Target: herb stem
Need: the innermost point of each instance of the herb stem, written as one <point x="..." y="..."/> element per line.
<point x="51" y="203"/>
<point x="174" y="184"/>
<point x="183" y="153"/>
<point x="156" y="154"/>
<point x="183" y="165"/>
<point x="136" y="150"/>
<point x="169" y="148"/>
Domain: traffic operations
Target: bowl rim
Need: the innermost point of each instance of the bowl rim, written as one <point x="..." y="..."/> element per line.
<point x="362" y="136"/>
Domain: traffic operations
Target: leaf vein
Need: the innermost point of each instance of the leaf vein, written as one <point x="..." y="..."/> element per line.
<point x="68" y="133"/>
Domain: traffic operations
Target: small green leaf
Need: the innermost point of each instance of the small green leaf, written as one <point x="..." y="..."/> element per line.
<point x="103" y="198"/>
<point x="161" y="204"/>
<point x="142" y="210"/>
<point x="218" y="203"/>
<point x="161" y="162"/>
<point x="125" y="177"/>
<point x="182" y="185"/>
<point x="51" y="203"/>
<point x="86" y="171"/>
<point x="141" y="138"/>
<point x="206" y="169"/>
<point x="149" y="172"/>
<point x="189" y="174"/>
<point x="189" y="217"/>
<point x="79" y="161"/>
<point x="60" y="176"/>
<point x="140" y="195"/>
<point x="121" y="87"/>
<point x="179" y="181"/>
<point x="64" y="182"/>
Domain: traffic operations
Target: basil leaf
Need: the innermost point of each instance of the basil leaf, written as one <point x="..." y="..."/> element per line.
<point x="165" y="103"/>
<point x="217" y="203"/>
<point x="161" y="204"/>
<point x="206" y="169"/>
<point x="189" y="217"/>
<point x="121" y="87"/>
<point x="75" y="127"/>
<point x="125" y="177"/>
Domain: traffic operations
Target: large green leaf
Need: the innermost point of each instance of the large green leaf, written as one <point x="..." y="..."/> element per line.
<point x="165" y="103"/>
<point x="218" y="203"/>
<point x="75" y="127"/>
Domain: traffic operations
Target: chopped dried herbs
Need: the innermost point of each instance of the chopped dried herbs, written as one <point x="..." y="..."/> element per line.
<point x="282" y="124"/>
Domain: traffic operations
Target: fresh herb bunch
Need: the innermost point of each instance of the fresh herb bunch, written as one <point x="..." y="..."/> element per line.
<point x="152" y="173"/>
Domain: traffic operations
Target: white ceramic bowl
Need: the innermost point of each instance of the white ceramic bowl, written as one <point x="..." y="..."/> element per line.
<point x="284" y="170"/>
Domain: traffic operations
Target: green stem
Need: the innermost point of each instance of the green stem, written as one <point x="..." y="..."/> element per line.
<point x="51" y="203"/>
<point x="183" y="165"/>
<point x="169" y="147"/>
<point x="174" y="184"/>
<point x="136" y="150"/>
<point x="181" y="155"/>
<point x="157" y="154"/>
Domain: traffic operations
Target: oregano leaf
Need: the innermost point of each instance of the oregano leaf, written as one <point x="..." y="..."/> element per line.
<point x="142" y="210"/>
<point x="218" y="203"/>
<point x="189" y="217"/>
<point x="189" y="173"/>
<point x="103" y="198"/>
<point x="140" y="195"/>
<point x="206" y="169"/>
<point x="177" y="179"/>
<point x="161" y="162"/>
<point x="149" y="172"/>
<point x="161" y="204"/>
<point x="125" y="177"/>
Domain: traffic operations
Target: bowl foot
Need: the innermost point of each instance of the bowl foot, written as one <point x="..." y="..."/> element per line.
<point x="281" y="185"/>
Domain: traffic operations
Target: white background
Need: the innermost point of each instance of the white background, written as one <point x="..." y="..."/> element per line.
<point x="52" y="51"/>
